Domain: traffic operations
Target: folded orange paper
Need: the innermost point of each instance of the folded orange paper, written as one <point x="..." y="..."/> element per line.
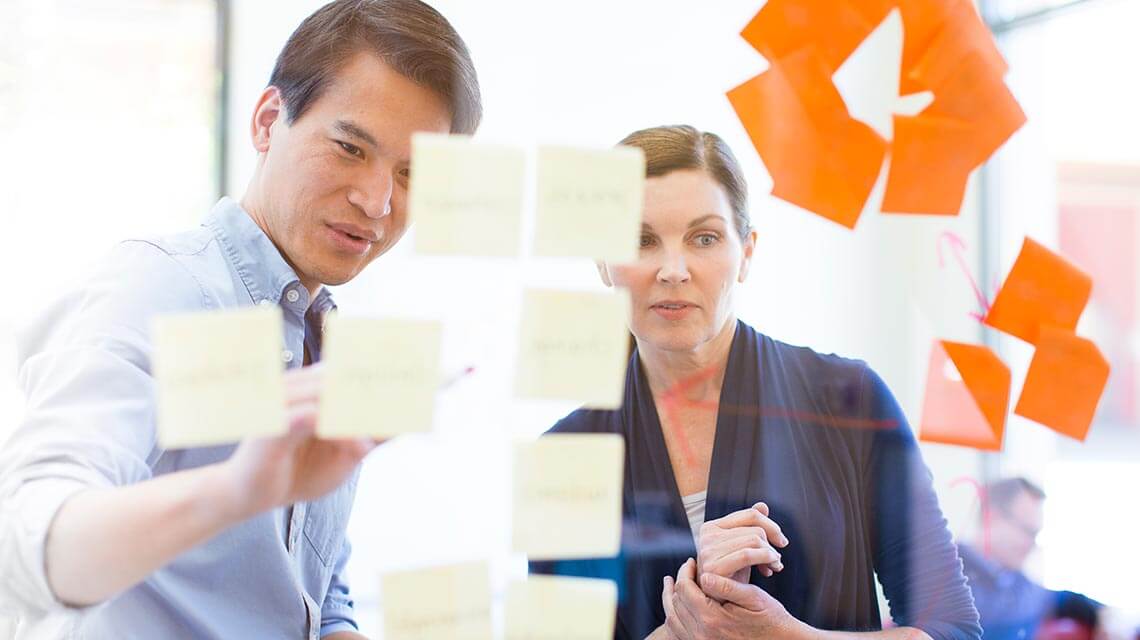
<point x="967" y="397"/>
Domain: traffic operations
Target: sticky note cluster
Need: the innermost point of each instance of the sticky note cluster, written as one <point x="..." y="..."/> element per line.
<point x="821" y="158"/>
<point x="968" y="387"/>
<point x="467" y="198"/>
<point x="220" y="377"/>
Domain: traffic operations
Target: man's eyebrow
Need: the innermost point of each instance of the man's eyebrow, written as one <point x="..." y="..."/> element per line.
<point x="356" y="131"/>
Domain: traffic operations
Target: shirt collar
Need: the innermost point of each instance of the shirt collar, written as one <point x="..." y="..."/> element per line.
<point x="257" y="260"/>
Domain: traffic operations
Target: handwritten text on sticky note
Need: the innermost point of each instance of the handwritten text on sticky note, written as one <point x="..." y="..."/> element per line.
<point x="567" y="496"/>
<point x="589" y="202"/>
<point x="220" y="376"/>
<point x="573" y="346"/>
<point x="465" y="197"/>
<point x="441" y="603"/>
<point x="381" y="376"/>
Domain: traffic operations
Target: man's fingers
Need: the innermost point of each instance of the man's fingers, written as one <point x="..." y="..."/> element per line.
<point x="747" y="596"/>
<point x="302" y="421"/>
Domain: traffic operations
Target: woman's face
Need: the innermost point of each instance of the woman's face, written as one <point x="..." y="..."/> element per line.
<point x="690" y="262"/>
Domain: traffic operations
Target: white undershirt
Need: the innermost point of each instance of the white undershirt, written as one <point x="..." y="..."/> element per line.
<point x="695" y="509"/>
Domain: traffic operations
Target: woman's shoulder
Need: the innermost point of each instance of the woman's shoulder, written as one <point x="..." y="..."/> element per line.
<point x="587" y="421"/>
<point x="810" y="364"/>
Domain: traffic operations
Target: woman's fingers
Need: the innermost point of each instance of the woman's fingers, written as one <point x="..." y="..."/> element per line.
<point x="741" y="559"/>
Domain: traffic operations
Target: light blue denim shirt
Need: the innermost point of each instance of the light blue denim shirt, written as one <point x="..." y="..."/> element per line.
<point x="85" y="369"/>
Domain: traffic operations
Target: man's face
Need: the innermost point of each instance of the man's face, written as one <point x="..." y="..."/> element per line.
<point x="1014" y="531"/>
<point x="332" y="186"/>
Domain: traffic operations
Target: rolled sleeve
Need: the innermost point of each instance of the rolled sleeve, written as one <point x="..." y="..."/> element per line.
<point x="338" y="612"/>
<point x="89" y="418"/>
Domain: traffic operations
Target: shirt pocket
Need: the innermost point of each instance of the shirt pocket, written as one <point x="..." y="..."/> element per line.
<point x="326" y="520"/>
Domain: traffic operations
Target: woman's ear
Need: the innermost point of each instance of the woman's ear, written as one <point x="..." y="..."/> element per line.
<point x="269" y="109"/>
<point x="746" y="255"/>
<point x="604" y="272"/>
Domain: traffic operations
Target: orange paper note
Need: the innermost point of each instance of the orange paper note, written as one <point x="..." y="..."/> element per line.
<point x="1064" y="384"/>
<point x="1042" y="289"/>
<point x="819" y="157"/>
<point x="835" y="27"/>
<point x="967" y="396"/>
<point x="926" y="146"/>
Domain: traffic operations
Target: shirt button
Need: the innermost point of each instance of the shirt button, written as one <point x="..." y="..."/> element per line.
<point x="292" y="295"/>
<point x="287" y="355"/>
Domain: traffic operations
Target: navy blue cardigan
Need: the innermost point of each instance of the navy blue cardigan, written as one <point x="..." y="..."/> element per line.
<point x="821" y="440"/>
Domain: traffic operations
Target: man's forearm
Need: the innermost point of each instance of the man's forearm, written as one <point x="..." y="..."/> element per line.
<point x="103" y="541"/>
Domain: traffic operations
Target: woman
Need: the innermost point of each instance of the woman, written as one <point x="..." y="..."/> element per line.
<point x="773" y="482"/>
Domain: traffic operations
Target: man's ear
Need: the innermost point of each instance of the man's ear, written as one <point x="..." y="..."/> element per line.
<point x="604" y="272"/>
<point x="269" y="110"/>
<point x="746" y="256"/>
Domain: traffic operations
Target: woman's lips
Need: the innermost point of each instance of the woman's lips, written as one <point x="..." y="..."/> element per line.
<point x="673" y="310"/>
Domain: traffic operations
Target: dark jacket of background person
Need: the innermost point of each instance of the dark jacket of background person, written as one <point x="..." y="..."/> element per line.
<point x="1013" y="607"/>
<point x="822" y="441"/>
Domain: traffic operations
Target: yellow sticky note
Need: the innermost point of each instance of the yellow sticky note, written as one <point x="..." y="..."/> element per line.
<point x="380" y="377"/>
<point x="567" y="496"/>
<point x="573" y="346"/>
<point x="589" y="202"/>
<point x="441" y="603"/>
<point x="220" y="376"/>
<point x="560" y="608"/>
<point x="465" y="197"/>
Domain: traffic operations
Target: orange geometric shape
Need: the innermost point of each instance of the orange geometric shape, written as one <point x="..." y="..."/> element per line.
<point x="1042" y="289"/>
<point x="1064" y="384"/>
<point x="835" y="27"/>
<point x="926" y="146"/>
<point x="923" y="21"/>
<point x="819" y="157"/>
<point x="977" y="95"/>
<point x="963" y="36"/>
<point x="967" y="397"/>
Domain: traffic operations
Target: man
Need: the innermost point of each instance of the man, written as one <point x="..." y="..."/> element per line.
<point x="105" y="535"/>
<point x="1009" y="603"/>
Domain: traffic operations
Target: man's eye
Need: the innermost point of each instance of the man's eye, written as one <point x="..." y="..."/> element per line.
<point x="351" y="149"/>
<point x="405" y="173"/>
<point x="646" y="241"/>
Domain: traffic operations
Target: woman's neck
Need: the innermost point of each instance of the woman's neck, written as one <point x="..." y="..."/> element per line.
<point x="697" y="374"/>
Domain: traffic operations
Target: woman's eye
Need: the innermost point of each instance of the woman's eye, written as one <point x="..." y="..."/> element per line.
<point x="707" y="239"/>
<point x="646" y="241"/>
<point x="351" y="149"/>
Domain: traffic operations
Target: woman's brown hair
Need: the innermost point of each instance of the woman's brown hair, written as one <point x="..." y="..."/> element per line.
<point x="677" y="147"/>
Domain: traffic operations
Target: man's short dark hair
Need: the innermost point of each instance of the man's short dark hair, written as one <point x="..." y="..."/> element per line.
<point x="1000" y="494"/>
<point x="408" y="35"/>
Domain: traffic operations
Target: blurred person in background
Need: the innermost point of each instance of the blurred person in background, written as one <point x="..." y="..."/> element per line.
<point x="1010" y="604"/>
